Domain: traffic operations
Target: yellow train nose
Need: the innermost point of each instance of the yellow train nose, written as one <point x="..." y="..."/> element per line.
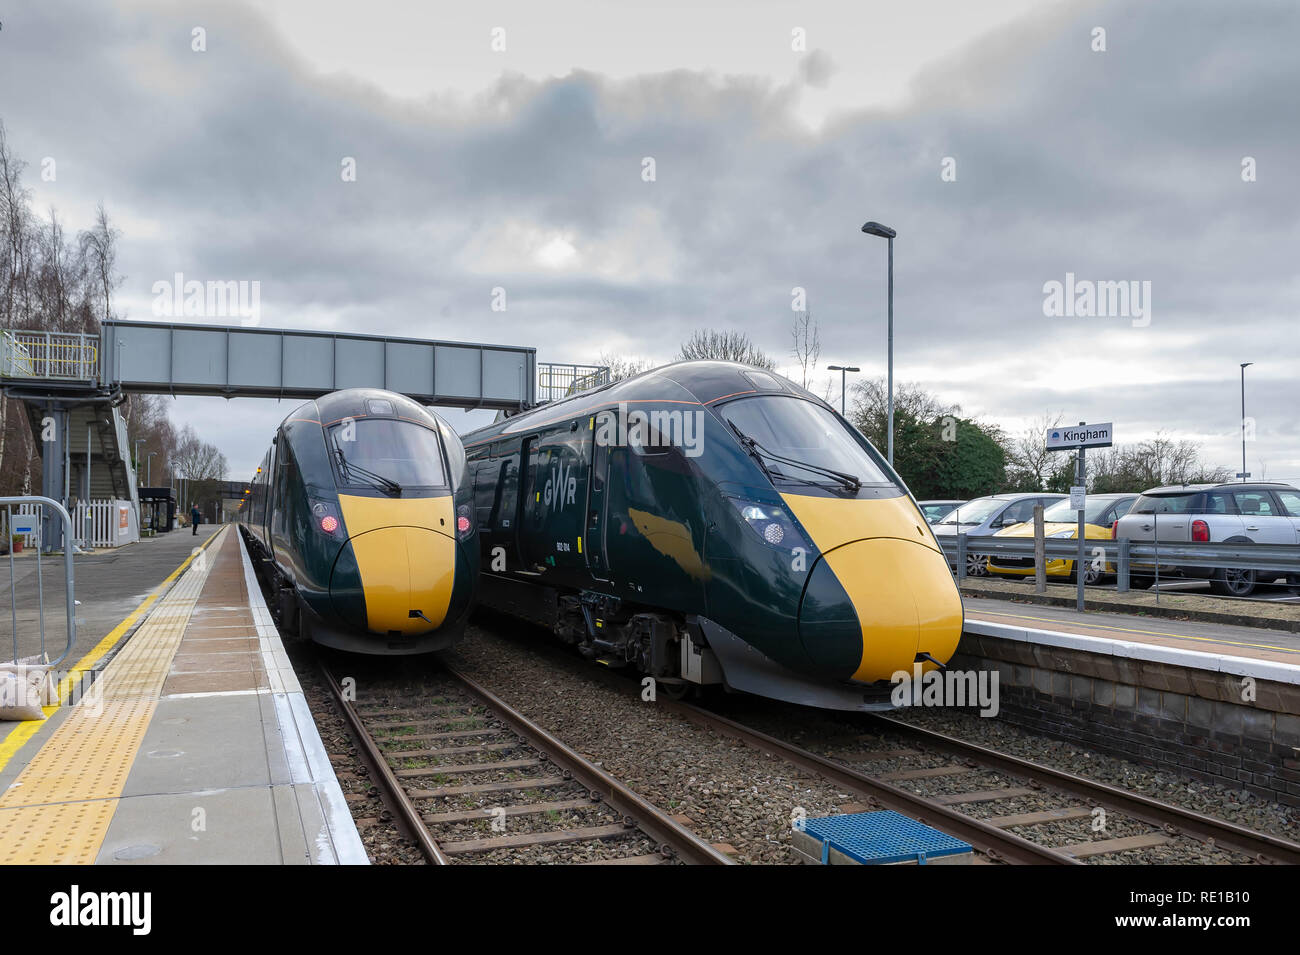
<point x="406" y="576"/>
<point x="875" y="604"/>
<point x="880" y="593"/>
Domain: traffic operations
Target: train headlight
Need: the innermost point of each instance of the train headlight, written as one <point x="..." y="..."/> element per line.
<point x="326" y="518"/>
<point x="464" y="521"/>
<point x="771" y="523"/>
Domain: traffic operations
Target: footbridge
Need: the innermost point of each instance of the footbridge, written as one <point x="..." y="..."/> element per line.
<point x="73" y="384"/>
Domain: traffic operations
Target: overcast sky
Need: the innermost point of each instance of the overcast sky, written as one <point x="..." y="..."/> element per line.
<point x="522" y="168"/>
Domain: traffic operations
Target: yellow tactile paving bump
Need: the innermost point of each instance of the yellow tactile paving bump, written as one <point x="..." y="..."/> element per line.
<point x="59" y="808"/>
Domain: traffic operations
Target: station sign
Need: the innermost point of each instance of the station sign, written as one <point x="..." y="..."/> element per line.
<point x="1080" y="436"/>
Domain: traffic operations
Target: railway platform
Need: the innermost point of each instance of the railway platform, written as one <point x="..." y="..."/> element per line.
<point x="183" y="738"/>
<point x="1258" y="651"/>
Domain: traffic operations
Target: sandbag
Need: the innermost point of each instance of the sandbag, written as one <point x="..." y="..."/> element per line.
<point x="25" y="687"/>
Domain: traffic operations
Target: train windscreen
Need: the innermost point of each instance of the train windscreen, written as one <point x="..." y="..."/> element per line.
<point x="801" y="431"/>
<point x="382" y="451"/>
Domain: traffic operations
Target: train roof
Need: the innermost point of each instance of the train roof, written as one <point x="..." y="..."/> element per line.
<point x="696" y="382"/>
<point x="361" y="403"/>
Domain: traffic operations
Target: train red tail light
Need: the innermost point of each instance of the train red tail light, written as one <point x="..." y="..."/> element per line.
<point x="464" y="521"/>
<point x="1200" y="532"/>
<point x="1114" y="530"/>
<point x="327" y="518"/>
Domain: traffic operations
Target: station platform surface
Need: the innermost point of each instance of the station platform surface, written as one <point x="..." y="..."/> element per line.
<point x="110" y="586"/>
<point x="193" y="744"/>
<point x="1247" y="651"/>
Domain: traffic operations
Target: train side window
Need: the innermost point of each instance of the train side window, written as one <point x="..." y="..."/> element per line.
<point x="285" y="467"/>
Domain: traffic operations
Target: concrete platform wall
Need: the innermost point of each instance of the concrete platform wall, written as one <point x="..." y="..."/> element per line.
<point x="1217" y="727"/>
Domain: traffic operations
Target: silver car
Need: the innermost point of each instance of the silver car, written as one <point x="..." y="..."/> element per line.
<point x="1214" y="514"/>
<point x="985" y="516"/>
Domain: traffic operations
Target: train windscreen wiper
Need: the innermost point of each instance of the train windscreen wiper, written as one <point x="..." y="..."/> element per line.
<point x="848" y="481"/>
<point x="377" y="481"/>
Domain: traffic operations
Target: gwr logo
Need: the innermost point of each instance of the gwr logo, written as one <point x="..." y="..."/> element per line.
<point x="561" y="488"/>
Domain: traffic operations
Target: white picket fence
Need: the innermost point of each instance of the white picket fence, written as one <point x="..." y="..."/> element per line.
<point x="95" y="523"/>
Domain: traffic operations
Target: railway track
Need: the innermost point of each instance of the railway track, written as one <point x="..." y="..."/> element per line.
<point x="983" y="813"/>
<point x="1080" y="798"/>
<point x="469" y="779"/>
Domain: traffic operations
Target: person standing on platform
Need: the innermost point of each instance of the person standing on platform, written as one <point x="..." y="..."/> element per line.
<point x="195" y="517"/>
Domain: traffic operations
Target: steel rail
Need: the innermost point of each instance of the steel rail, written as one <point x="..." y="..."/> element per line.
<point x="994" y="842"/>
<point x="408" y="817"/>
<point x="650" y="819"/>
<point x="1261" y="846"/>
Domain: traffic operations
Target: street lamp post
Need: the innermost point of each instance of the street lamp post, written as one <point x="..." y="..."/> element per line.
<point x="148" y="469"/>
<point x="885" y="232"/>
<point x="843" y="370"/>
<point x="1244" y="366"/>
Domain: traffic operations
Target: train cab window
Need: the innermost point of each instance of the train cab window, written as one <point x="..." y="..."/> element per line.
<point x="382" y="452"/>
<point x="802" y="433"/>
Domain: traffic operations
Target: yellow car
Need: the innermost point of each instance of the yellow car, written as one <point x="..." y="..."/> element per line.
<point x="1062" y="521"/>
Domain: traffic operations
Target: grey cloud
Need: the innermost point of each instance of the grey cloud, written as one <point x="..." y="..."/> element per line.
<point x="1122" y="165"/>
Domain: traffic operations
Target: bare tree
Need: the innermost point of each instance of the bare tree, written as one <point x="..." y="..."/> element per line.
<point x="807" y="345"/>
<point x="621" y="367"/>
<point x="14" y="220"/>
<point x="99" y="245"/>
<point x="196" y="460"/>
<point x="1157" y="461"/>
<point x="725" y="346"/>
<point x="871" y="403"/>
<point x="1029" y="464"/>
<point x="14" y="231"/>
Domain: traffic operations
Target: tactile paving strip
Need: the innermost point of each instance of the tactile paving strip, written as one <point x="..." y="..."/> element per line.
<point x="59" y="808"/>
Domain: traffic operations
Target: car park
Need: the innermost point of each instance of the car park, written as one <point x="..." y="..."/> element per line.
<point x="985" y="516"/>
<point x="1213" y="514"/>
<point x="1060" y="520"/>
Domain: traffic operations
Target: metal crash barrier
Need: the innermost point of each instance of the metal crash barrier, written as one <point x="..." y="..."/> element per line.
<point x="28" y="526"/>
<point x="1125" y="558"/>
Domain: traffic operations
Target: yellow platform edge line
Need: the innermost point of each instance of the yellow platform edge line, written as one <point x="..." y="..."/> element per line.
<point x="18" y="737"/>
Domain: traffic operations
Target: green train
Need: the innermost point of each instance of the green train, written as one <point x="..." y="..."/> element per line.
<point x="706" y="523"/>
<point x="362" y="518"/>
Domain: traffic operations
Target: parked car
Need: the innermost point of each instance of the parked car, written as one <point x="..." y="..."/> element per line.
<point x="1062" y="521"/>
<point x="1214" y="514"/>
<point x="985" y="516"/>
<point x="934" y="510"/>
